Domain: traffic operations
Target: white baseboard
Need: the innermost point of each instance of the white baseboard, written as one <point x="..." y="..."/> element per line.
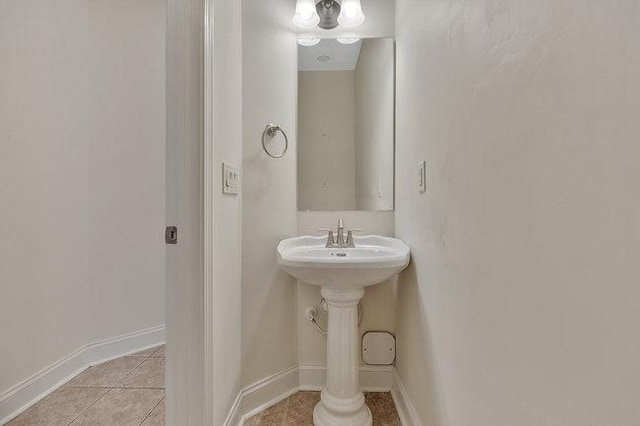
<point x="373" y="378"/>
<point x="406" y="410"/>
<point x="262" y="395"/>
<point x="28" y="392"/>
<point x="273" y="389"/>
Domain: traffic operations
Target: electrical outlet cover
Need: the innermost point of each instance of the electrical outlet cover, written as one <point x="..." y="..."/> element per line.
<point x="378" y="348"/>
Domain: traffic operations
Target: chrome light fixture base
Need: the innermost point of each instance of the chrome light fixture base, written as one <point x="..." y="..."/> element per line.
<point x="328" y="11"/>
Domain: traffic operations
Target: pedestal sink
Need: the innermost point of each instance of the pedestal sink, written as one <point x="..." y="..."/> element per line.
<point x="343" y="274"/>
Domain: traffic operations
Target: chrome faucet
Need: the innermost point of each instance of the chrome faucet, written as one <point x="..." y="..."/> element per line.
<point x="340" y="234"/>
<point x="338" y="241"/>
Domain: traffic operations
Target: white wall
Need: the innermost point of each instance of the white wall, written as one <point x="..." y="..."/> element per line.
<point x="375" y="124"/>
<point x="81" y="176"/>
<point x="326" y="140"/>
<point x="521" y="305"/>
<point x="227" y="208"/>
<point x="127" y="164"/>
<point x="44" y="185"/>
<point x="268" y="187"/>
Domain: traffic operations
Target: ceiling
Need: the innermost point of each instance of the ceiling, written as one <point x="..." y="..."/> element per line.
<point x="342" y="57"/>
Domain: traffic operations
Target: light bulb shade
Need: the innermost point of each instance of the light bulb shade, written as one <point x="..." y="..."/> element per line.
<point x="306" y="15"/>
<point x="308" y="41"/>
<point x="348" y="40"/>
<point x="351" y="14"/>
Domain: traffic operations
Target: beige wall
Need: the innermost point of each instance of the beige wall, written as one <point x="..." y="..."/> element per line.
<point x="81" y="176"/>
<point x="326" y="140"/>
<point x="521" y="305"/>
<point x="268" y="188"/>
<point x="374" y="125"/>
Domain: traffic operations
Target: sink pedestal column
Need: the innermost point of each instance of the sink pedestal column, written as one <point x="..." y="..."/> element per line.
<point x="342" y="402"/>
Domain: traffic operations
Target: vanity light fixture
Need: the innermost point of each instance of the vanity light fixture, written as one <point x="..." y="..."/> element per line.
<point x="348" y="40"/>
<point x="351" y="15"/>
<point x="327" y="14"/>
<point x="308" y="41"/>
<point x="306" y="15"/>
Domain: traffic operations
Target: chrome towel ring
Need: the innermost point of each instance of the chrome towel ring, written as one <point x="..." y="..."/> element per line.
<point x="270" y="132"/>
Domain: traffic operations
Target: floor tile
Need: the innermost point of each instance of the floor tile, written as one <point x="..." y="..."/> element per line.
<point x="106" y="374"/>
<point x="159" y="353"/>
<point x="382" y="408"/>
<point x="298" y="410"/>
<point x="121" y="407"/>
<point x="274" y="416"/>
<point x="149" y="374"/>
<point x="60" y="407"/>
<point x="301" y="407"/>
<point x="156" y="418"/>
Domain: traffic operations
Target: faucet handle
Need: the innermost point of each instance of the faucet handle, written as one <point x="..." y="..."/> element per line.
<point x="350" y="232"/>
<point x="330" y="238"/>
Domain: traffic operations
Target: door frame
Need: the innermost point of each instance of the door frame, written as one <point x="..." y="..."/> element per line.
<point x="190" y="206"/>
<point x="209" y="170"/>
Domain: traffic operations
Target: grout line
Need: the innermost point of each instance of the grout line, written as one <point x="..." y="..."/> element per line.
<point x="156" y="351"/>
<point x="131" y="372"/>
<point x="137" y="387"/>
<point x="90" y="405"/>
<point x="149" y="413"/>
<point x="86" y="387"/>
<point x="109" y="388"/>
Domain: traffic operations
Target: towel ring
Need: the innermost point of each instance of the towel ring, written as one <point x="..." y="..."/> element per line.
<point x="270" y="132"/>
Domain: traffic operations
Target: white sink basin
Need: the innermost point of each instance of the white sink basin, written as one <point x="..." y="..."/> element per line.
<point x="373" y="260"/>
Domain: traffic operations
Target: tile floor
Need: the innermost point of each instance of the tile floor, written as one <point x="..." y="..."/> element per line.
<point x="129" y="391"/>
<point x="298" y="410"/>
<point x="125" y="391"/>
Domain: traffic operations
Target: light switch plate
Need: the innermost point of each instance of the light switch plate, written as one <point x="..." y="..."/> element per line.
<point x="422" y="177"/>
<point x="230" y="179"/>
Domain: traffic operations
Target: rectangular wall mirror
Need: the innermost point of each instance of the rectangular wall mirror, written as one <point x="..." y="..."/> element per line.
<point x="346" y="103"/>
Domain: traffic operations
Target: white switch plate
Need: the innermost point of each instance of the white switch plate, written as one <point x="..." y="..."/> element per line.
<point x="422" y="177"/>
<point x="230" y="179"/>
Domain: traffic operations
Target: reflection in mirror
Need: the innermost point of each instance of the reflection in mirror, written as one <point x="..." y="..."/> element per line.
<point x="346" y="125"/>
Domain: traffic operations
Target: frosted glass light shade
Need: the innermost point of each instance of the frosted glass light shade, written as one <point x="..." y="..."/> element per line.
<point x="348" y="40"/>
<point x="351" y="14"/>
<point x="306" y="15"/>
<point x="308" y="41"/>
